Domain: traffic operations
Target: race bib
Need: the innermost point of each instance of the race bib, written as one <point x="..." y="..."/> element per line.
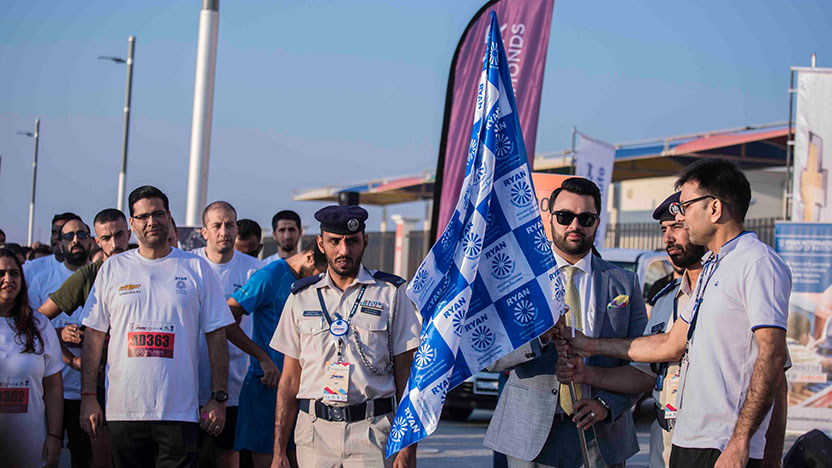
<point x="337" y="382"/>
<point x="150" y="340"/>
<point x="14" y="396"/>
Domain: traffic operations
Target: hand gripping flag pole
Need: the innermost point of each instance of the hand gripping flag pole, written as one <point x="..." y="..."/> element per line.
<point x="490" y="284"/>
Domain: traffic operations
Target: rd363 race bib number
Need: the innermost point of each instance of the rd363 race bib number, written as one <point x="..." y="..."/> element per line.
<point x="153" y="340"/>
<point x="14" y="396"/>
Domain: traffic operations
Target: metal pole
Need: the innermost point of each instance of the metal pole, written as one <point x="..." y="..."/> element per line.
<point x="581" y="435"/>
<point x="572" y="169"/>
<point x="122" y="175"/>
<point x="34" y="183"/>
<point x="206" y="61"/>
<point x="788" y="186"/>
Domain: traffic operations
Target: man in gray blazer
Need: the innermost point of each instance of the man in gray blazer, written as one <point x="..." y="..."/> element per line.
<point x="534" y="425"/>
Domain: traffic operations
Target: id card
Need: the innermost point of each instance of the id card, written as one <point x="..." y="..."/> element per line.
<point x="669" y="391"/>
<point x="150" y="340"/>
<point x="14" y="396"/>
<point x="683" y="373"/>
<point x="337" y="382"/>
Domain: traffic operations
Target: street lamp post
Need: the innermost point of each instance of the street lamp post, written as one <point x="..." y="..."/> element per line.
<point x="34" y="135"/>
<point x="122" y="175"/>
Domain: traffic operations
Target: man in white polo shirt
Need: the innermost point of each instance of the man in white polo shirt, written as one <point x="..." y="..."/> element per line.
<point x="732" y="334"/>
<point x="155" y="301"/>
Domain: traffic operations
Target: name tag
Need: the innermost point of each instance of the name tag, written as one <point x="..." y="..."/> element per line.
<point x="150" y="340"/>
<point x="337" y="382"/>
<point x="311" y="313"/>
<point x="14" y="396"/>
<point x="368" y="310"/>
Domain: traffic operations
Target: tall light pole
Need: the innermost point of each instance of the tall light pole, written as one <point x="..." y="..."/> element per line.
<point x="122" y="175"/>
<point x="35" y="135"/>
<point x="206" y="63"/>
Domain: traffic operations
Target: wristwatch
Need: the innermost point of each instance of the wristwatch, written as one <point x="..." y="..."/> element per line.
<point x="220" y="395"/>
<point x="605" y="405"/>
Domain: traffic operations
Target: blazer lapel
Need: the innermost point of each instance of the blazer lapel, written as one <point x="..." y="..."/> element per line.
<point x="600" y="286"/>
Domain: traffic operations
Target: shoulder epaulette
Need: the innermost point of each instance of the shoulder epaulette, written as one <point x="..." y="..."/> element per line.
<point x="389" y="278"/>
<point x="664" y="290"/>
<point x="303" y="283"/>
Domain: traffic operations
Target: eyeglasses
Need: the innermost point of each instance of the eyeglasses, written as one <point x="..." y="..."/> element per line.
<point x="565" y="218"/>
<point x="155" y="215"/>
<point x="68" y="236"/>
<point x="677" y="208"/>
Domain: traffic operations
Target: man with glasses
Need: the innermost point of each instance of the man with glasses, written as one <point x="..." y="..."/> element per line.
<point x="75" y="244"/>
<point x="731" y="336"/>
<point x="155" y="301"/>
<point x="536" y="423"/>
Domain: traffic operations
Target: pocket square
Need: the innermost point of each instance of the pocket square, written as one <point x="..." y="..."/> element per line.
<point x="619" y="302"/>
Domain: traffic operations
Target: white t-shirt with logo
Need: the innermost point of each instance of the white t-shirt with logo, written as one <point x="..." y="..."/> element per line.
<point x="232" y="275"/>
<point x="155" y="311"/>
<point x="22" y="409"/>
<point x="749" y="289"/>
<point x="45" y="283"/>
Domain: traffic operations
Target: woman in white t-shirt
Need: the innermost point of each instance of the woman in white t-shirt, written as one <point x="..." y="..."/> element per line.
<point x="31" y="390"/>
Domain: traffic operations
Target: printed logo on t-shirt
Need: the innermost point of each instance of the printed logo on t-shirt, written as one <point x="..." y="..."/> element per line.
<point x="14" y="396"/>
<point x="181" y="284"/>
<point x="150" y="340"/>
<point x="129" y="289"/>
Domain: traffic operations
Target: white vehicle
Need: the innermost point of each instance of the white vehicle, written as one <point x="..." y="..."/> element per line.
<point x="649" y="265"/>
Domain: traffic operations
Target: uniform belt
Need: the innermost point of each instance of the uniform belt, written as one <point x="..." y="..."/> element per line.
<point x="350" y="413"/>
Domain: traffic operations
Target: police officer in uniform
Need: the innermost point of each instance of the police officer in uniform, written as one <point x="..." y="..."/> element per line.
<point x="348" y="337"/>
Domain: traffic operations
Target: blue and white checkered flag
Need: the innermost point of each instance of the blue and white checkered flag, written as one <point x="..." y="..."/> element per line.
<point x="490" y="284"/>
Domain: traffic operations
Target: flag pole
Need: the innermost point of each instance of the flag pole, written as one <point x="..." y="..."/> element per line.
<point x="581" y="435"/>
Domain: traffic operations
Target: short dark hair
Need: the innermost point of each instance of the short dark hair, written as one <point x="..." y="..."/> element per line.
<point x="146" y="191"/>
<point x="80" y="221"/>
<point x="3" y="232"/>
<point x="68" y="216"/>
<point x="721" y="179"/>
<point x="287" y="215"/>
<point x="317" y="256"/>
<point x="108" y="215"/>
<point x="42" y="249"/>
<point x="218" y="204"/>
<point x="247" y="228"/>
<point x="578" y="186"/>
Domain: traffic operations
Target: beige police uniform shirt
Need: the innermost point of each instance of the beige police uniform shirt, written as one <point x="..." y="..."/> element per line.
<point x="303" y="334"/>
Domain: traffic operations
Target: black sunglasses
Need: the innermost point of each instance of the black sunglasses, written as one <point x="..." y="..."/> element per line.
<point x="68" y="236"/>
<point x="565" y="218"/>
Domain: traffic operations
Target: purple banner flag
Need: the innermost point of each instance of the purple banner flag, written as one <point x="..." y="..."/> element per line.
<point x="525" y="29"/>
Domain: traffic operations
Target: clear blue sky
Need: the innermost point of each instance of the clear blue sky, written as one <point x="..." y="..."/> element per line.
<point x="312" y="93"/>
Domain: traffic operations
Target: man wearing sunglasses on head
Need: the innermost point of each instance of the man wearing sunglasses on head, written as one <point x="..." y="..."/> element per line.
<point x="535" y="423"/>
<point x="76" y="243"/>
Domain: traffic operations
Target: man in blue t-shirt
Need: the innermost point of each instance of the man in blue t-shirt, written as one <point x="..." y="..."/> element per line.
<point x="263" y="296"/>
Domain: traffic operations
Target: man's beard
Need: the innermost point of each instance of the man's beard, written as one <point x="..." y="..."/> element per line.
<point x="77" y="256"/>
<point x="348" y="271"/>
<point x="572" y="248"/>
<point x="687" y="255"/>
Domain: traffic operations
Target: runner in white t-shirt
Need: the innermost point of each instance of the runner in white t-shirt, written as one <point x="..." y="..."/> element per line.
<point x="30" y="376"/>
<point x="156" y="301"/>
<point x="76" y="242"/>
<point x="219" y="228"/>
<point x="33" y="268"/>
<point x="287" y="231"/>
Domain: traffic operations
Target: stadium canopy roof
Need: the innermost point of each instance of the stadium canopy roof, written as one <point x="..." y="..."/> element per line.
<point x="750" y="147"/>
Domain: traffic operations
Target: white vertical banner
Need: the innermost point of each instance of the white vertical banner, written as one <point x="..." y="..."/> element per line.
<point x="812" y="202"/>
<point x="594" y="160"/>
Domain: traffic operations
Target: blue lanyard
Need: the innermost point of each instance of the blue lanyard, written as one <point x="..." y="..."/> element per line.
<point x="338" y="316"/>
<point x="708" y="271"/>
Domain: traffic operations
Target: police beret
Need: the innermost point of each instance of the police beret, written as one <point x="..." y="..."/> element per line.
<point x="342" y="220"/>
<point x="662" y="212"/>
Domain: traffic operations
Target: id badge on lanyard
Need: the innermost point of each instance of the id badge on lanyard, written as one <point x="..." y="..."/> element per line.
<point x="337" y="384"/>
